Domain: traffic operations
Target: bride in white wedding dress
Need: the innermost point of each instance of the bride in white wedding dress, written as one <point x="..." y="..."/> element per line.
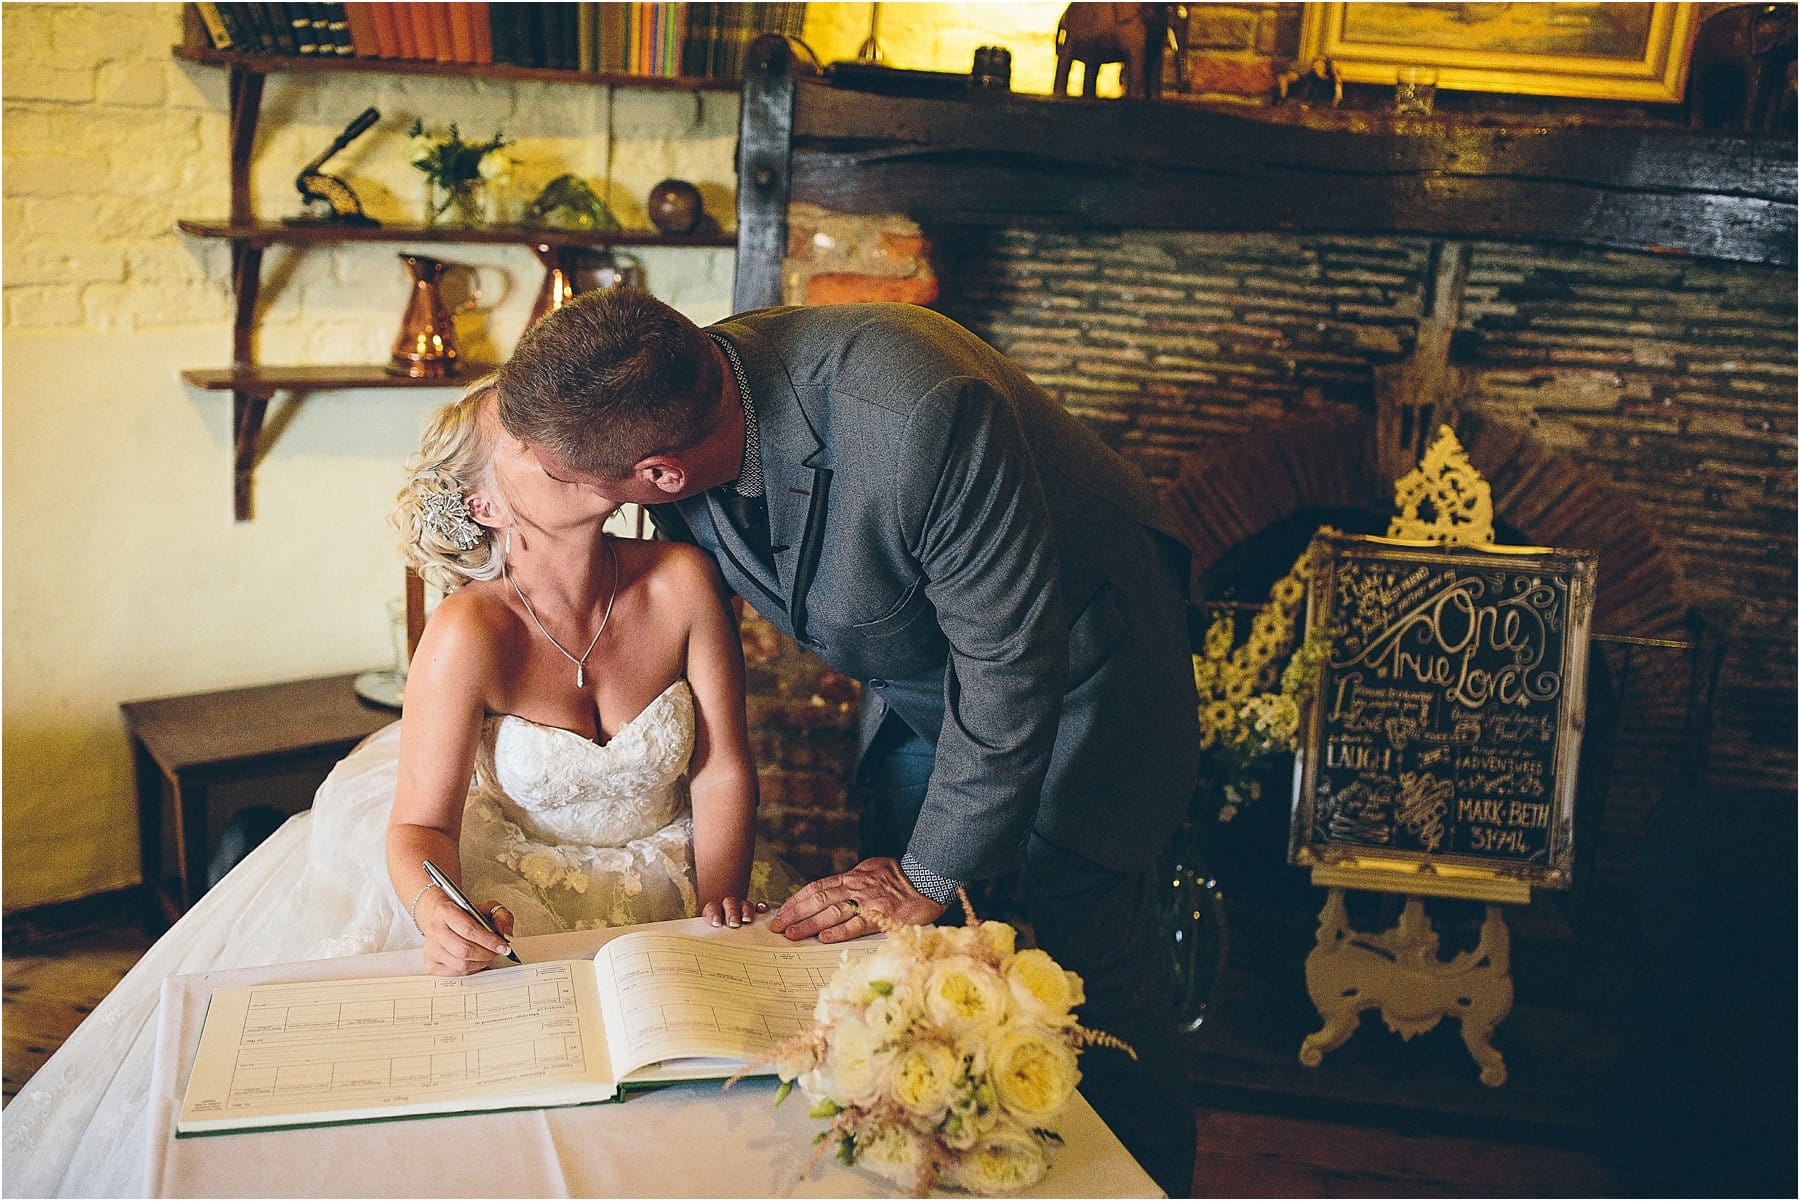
<point x="573" y="750"/>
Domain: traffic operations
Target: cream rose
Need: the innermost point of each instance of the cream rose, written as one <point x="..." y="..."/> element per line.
<point x="1032" y="1075"/>
<point x="1002" y="937"/>
<point x="923" y="1079"/>
<point x="962" y="992"/>
<point x="1042" y="989"/>
<point x="1007" y="1160"/>
<point x="892" y="1152"/>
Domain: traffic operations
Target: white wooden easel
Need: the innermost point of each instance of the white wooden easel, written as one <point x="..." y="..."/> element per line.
<point x="1399" y="971"/>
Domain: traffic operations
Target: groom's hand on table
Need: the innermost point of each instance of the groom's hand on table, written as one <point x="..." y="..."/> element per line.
<point x="837" y="908"/>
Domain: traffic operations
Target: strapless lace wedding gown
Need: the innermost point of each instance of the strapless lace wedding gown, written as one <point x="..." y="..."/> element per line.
<point x="565" y="832"/>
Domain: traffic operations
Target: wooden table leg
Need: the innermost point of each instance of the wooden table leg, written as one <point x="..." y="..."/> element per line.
<point x="160" y="908"/>
<point x="189" y="800"/>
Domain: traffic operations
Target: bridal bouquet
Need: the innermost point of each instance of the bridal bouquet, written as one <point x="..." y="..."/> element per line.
<point x="942" y="1056"/>
<point x="1250" y="703"/>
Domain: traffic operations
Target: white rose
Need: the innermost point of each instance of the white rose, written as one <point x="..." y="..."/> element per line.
<point x="923" y="1079"/>
<point x="1043" y="989"/>
<point x="961" y="993"/>
<point x="888" y="971"/>
<point x="1005" y="1161"/>
<point x="855" y="1067"/>
<point x="796" y="1061"/>
<point x="1032" y="1075"/>
<point x="887" y="1017"/>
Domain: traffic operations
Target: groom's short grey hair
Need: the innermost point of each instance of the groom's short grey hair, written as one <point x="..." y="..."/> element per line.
<point x="610" y="379"/>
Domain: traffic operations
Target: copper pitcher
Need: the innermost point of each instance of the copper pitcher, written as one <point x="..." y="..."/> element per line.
<point x="572" y="270"/>
<point x="426" y="347"/>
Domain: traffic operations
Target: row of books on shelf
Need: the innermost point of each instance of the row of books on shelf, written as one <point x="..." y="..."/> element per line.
<point x="699" y="40"/>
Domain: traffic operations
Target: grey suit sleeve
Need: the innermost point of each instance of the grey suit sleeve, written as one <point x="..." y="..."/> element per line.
<point x="971" y="503"/>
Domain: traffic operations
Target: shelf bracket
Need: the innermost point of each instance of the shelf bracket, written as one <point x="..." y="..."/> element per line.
<point x="245" y="90"/>
<point x="247" y="408"/>
<point x="247" y="411"/>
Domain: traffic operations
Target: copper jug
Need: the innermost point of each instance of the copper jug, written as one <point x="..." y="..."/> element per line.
<point x="426" y="347"/>
<point x="572" y="270"/>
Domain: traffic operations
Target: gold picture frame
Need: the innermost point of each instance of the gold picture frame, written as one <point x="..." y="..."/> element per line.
<point x="1633" y="52"/>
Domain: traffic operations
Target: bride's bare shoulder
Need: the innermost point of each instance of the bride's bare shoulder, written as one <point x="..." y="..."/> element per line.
<point x="675" y="565"/>
<point x="679" y="578"/>
<point x="470" y="620"/>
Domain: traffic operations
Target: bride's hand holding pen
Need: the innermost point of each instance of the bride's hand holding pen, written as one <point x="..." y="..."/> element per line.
<point x="460" y="937"/>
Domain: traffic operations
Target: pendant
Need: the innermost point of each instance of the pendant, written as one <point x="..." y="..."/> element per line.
<point x="580" y="680"/>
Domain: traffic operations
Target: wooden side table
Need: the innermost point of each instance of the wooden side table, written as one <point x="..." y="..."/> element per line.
<point x="182" y="745"/>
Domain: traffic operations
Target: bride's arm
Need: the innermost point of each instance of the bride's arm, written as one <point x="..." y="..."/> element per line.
<point x="721" y="774"/>
<point x="440" y="728"/>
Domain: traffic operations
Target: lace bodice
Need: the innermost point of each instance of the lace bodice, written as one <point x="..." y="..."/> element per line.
<point x="560" y="787"/>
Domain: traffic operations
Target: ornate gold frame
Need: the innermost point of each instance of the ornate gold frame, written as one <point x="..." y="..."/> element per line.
<point x="1449" y="873"/>
<point x="1659" y="75"/>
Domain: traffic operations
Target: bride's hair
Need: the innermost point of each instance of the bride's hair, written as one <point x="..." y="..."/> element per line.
<point x="456" y="455"/>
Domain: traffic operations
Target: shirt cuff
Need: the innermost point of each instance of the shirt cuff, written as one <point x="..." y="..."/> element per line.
<point x="927" y="882"/>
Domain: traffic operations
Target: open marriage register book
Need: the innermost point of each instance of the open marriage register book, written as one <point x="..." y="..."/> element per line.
<point x="651" y="1007"/>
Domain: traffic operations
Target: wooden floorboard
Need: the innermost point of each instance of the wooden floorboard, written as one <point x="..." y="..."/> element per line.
<point x="1255" y="1155"/>
<point x="50" y="988"/>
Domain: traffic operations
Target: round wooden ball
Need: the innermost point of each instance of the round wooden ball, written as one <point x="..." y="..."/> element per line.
<point x="674" y="206"/>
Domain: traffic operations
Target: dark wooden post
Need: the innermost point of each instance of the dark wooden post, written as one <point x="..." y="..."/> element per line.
<point x="765" y="136"/>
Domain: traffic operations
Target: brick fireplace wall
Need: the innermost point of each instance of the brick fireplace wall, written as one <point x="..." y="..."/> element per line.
<point x="1672" y="378"/>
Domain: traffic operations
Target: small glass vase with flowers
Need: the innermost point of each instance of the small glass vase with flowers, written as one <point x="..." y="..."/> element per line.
<point x="1253" y="694"/>
<point x="457" y="173"/>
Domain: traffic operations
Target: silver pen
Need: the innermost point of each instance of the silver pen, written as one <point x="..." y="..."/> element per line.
<point x="467" y="906"/>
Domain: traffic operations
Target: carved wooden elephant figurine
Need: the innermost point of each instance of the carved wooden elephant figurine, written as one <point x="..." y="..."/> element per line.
<point x="1131" y="35"/>
<point x="1741" y="73"/>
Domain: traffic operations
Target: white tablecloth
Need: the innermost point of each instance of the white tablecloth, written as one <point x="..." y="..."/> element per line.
<point x="687" y="1140"/>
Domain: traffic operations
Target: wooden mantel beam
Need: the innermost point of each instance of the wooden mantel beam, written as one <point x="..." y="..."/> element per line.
<point x="1022" y="160"/>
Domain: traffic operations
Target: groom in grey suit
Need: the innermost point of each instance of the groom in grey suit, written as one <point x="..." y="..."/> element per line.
<point x="900" y="498"/>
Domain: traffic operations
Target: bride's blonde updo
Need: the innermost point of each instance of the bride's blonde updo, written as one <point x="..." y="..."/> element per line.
<point x="439" y="539"/>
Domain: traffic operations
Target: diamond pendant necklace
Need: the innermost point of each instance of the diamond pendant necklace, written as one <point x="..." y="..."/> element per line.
<point x="581" y="663"/>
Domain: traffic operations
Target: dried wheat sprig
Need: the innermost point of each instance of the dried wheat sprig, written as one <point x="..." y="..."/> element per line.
<point x="1081" y="1036"/>
<point x="813" y="1039"/>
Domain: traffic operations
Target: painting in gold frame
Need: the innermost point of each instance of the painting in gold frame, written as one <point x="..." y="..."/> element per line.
<point x="1604" y="51"/>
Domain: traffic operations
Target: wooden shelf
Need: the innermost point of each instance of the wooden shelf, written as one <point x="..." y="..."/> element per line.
<point x="271" y="233"/>
<point x="272" y="64"/>
<point x="264" y="380"/>
<point x="253" y="385"/>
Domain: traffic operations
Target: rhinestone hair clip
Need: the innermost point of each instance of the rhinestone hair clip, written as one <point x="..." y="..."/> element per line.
<point x="447" y="516"/>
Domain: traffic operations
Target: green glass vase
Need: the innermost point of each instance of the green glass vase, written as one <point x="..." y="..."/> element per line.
<point x="1194" y="926"/>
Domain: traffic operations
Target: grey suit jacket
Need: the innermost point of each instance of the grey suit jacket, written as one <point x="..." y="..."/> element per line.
<point x="996" y="576"/>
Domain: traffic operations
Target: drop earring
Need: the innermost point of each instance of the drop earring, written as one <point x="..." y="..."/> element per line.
<point x="506" y="550"/>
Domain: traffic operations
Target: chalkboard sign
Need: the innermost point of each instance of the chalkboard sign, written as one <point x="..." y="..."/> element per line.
<point x="1448" y="719"/>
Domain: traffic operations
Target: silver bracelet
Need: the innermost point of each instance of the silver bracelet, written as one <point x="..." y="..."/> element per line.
<point x="413" y="909"/>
